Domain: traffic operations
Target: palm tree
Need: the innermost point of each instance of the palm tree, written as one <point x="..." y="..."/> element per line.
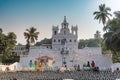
<point x="97" y="35"/>
<point x="113" y="34"/>
<point x="31" y="35"/>
<point x="102" y="15"/>
<point x="112" y="37"/>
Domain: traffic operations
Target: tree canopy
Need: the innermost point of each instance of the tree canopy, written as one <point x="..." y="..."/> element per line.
<point x="89" y="43"/>
<point x="44" y="41"/>
<point x="112" y="37"/>
<point x="31" y="36"/>
<point x="7" y="44"/>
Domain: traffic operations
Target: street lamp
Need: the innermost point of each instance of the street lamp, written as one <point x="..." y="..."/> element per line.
<point x="64" y="53"/>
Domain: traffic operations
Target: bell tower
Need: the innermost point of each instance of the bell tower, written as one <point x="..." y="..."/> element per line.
<point x="74" y="30"/>
<point x="64" y="37"/>
<point x="64" y="23"/>
<point x="55" y="30"/>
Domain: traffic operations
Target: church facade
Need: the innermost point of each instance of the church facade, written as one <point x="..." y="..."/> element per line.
<point x="64" y="37"/>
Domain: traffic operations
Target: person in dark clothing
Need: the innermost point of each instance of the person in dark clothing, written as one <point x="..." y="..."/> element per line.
<point x="88" y="64"/>
<point x="93" y="64"/>
<point x="78" y="68"/>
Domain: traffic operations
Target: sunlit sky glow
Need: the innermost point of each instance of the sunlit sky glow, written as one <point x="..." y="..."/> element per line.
<point x="18" y="15"/>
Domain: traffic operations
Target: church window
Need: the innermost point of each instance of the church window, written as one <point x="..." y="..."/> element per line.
<point x="55" y="32"/>
<point x="54" y="40"/>
<point x="64" y="25"/>
<point x="70" y="40"/>
<point x="58" y="40"/>
<point x="21" y="48"/>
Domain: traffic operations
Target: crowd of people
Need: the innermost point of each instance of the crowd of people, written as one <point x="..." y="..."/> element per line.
<point x="57" y="75"/>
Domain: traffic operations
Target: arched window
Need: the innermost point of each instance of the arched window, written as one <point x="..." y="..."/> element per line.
<point x="54" y="40"/>
<point x="58" y="40"/>
<point x="70" y="40"/>
<point x="63" y="41"/>
<point x="55" y="32"/>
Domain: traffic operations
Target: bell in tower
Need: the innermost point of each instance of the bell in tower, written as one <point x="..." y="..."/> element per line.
<point x="65" y="23"/>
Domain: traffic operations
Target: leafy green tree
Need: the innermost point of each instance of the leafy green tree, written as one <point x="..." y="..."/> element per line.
<point x="112" y="37"/>
<point x="89" y="43"/>
<point x="10" y="43"/>
<point x="82" y="43"/>
<point x="94" y="42"/>
<point x="102" y="15"/>
<point x="12" y="40"/>
<point x="31" y="36"/>
<point x="1" y="41"/>
<point x="44" y="41"/>
<point x="1" y="31"/>
<point x="7" y="44"/>
<point x="97" y="35"/>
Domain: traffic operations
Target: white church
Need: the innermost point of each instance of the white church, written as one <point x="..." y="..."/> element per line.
<point x="64" y="39"/>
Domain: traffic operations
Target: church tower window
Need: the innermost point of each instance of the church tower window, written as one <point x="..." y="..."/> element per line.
<point x="58" y="40"/>
<point x="70" y="40"/>
<point x="54" y="40"/>
<point x="55" y="32"/>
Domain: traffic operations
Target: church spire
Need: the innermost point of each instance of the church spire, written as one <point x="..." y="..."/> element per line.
<point x="65" y="19"/>
<point x="65" y="23"/>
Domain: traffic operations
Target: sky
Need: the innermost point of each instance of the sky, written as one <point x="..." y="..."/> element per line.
<point x="18" y="15"/>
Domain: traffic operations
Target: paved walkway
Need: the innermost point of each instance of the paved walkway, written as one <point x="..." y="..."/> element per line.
<point x="78" y="75"/>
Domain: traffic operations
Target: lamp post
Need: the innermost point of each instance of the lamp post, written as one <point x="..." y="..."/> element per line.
<point x="72" y="57"/>
<point x="64" y="53"/>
